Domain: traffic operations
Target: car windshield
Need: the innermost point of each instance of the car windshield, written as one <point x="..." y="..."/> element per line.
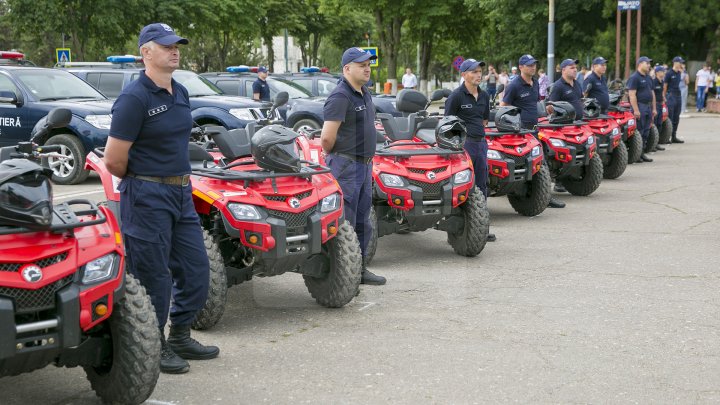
<point x="293" y="90"/>
<point x="50" y="84"/>
<point x="196" y="85"/>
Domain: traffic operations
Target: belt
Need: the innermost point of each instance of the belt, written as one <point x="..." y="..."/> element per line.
<point x="183" y="180"/>
<point x="360" y="159"/>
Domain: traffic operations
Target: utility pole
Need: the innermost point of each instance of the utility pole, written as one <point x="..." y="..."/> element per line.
<point x="287" y="62"/>
<point x="627" y="44"/>
<point x="551" y="41"/>
<point x="618" y="22"/>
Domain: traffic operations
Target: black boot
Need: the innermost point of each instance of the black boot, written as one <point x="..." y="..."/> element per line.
<point x="367" y="277"/>
<point x="658" y="147"/>
<point x="491" y="237"/>
<point x="188" y="348"/>
<point x="170" y="362"/>
<point x="555" y="203"/>
<point x="645" y="158"/>
<point x="677" y="140"/>
<point x="559" y="188"/>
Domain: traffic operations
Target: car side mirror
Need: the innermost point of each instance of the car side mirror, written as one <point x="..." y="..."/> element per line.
<point x="8" y="97"/>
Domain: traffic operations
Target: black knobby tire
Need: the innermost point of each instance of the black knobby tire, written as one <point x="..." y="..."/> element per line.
<point x="72" y="169"/>
<point x="372" y="244"/>
<point x="653" y="139"/>
<point x="666" y="131"/>
<point x="306" y="123"/>
<point x="536" y="200"/>
<point x="473" y="237"/>
<point x="634" y="147"/>
<point x="130" y="375"/>
<point x="342" y="282"/>
<point x="214" y="307"/>
<point x="617" y="163"/>
<point x="589" y="182"/>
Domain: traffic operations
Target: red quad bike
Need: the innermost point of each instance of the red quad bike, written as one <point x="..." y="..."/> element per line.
<point x="65" y="298"/>
<point x="570" y="149"/>
<point x="665" y="133"/>
<point x="608" y="137"/>
<point x="424" y="179"/>
<point x="624" y="117"/>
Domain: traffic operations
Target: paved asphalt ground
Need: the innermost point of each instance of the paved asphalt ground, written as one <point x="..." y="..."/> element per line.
<point x="613" y="299"/>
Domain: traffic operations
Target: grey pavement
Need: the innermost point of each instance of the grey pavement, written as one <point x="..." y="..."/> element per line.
<point x="613" y="299"/>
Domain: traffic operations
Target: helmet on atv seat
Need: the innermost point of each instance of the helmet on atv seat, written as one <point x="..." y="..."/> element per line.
<point x="274" y="148"/>
<point x="507" y="119"/>
<point x="591" y="108"/>
<point x="450" y="133"/>
<point x="25" y="194"/>
<point x="563" y="113"/>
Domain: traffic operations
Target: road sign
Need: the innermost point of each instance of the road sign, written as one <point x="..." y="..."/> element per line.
<point x="373" y="51"/>
<point x="62" y="55"/>
<point x="625" y="5"/>
<point x="457" y="62"/>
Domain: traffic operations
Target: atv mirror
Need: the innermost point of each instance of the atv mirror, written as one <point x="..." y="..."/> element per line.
<point x="281" y="99"/>
<point x="58" y="117"/>
<point x="500" y="88"/>
<point x="439" y="94"/>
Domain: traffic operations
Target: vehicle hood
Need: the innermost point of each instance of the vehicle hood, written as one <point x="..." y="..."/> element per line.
<point x="82" y="108"/>
<point x="226" y="102"/>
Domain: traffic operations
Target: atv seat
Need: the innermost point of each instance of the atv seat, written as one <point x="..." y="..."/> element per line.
<point x="426" y="129"/>
<point x="232" y="144"/>
<point x="542" y="112"/>
<point x="398" y="128"/>
<point x="199" y="157"/>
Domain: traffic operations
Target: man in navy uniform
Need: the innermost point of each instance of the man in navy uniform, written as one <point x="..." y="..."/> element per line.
<point x="524" y="94"/>
<point x="148" y="148"/>
<point x="642" y="100"/>
<point x="658" y="90"/>
<point x="671" y="91"/>
<point x="348" y="138"/>
<point x="472" y="104"/>
<point x="595" y="84"/>
<point x="261" y="90"/>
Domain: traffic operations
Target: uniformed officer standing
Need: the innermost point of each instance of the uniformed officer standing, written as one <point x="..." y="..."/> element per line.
<point x="472" y="104"/>
<point x="671" y="91"/>
<point x="642" y="100"/>
<point x="597" y="84"/>
<point x="348" y="137"/>
<point x="148" y="148"/>
<point x="524" y="93"/>
<point x="261" y="90"/>
<point x="658" y="90"/>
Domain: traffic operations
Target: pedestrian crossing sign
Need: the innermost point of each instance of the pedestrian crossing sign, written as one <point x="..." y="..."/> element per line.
<point x="373" y="51"/>
<point x="62" y="55"/>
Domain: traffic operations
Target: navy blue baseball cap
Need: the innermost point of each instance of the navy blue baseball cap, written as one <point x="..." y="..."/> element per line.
<point x="678" y="59"/>
<point x="527" y="60"/>
<point x="161" y="33"/>
<point x="470" y="64"/>
<point x="356" y="55"/>
<point x="643" y="59"/>
<point x="262" y="69"/>
<point x="568" y="62"/>
<point x="659" y="68"/>
<point x="599" y="61"/>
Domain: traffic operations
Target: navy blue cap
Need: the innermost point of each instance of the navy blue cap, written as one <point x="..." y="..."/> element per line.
<point x="470" y="64"/>
<point x="599" y="61"/>
<point x="659" y="68"/>
<point x="160" y="33"/>
<point x="643" y="59"/>
<point x="678" y="59"/>
<point x="527" y="60"/>
<point x="568" y="62"/>
<point x="356" y="55"/>
<point x="262" y="69"/>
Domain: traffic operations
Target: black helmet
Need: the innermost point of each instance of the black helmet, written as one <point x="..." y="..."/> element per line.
<point x="563" y="113"/>
<point x="614" y="99"/>
<point x="25" y="194"/>
<point x="507" y="119"/>
<point x="274" y="148"/>
<point x="591" y="108"/>
<point x="450" y="133"/>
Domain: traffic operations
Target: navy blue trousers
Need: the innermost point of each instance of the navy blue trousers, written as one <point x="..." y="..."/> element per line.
<point x="355" y="179"/>
<point x="644" y="122"/>
<point x="165" y="248"/>
<point x="478" y="155"/>
<point x="674" y="104"/>
<point x="658" y="117"/>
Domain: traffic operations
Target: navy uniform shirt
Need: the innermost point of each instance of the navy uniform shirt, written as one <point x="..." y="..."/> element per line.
<point x="524" y="96"/>
<point x="673" y="79"/>
<point x="157" y="123"/>
<point x="261" y="87"/>
<point x="643" y="85"/>
<point x="598" y="91"/>
<point x="356" y="135"/>
<point x="464" y="105"/>
<point x="572" y="93"/>
<point x="658" y="89"/>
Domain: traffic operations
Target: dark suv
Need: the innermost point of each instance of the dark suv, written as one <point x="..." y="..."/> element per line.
<point x="27" y="94"/>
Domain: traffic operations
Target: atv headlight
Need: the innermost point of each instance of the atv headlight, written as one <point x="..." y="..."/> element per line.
<point x="243" y="212"/>
<point x="536" y="151"/>
<point x="493" y="154"/>
<point x="631" y="122"/>
<point x="591" y="140"/>
<point x="616" y="131"/>
<point x="391" y="180"/>
<point x="242" y="114"/>
<point x="330" y="203"/>
<point x="462" y="177"/>
<point x="99" y="269"/>
<point x="99" y="121"/>
<point x="559" y="143"/>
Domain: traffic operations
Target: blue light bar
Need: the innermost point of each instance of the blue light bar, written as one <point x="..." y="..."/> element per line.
<point x="237" y="69"/>
<point x="124" y="59"/>
<point x="311" y="69"/>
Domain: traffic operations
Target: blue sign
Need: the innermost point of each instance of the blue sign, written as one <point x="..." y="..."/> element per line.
<point x="625" y="5"/>
<point x="62" y="55"/>
<point x="457" y="62"/>
<point x="373" y="51"/>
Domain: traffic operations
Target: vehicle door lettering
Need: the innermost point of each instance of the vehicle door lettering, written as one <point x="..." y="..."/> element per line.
<point x="10" y="122"/>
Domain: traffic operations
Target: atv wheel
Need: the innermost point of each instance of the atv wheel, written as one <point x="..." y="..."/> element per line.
<point x="129" y="374"/>
<point x="537" y="197"/>
<point x="470" y="241"/>
<point x="653" y="139"/>
<point x="372" y="244"/>
<point x="666" y="131"/>
<point x="344" y="263"/>
<point x="214" y="307"/>
<point x="634" y="147"/>
<point x="590" y="181"/>
<point x="71" y="168"/>
<point x="617" y="163"/>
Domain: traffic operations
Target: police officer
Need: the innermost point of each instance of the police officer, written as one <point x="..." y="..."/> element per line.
<point x="642" y="100"/>
<point x="658" y="90"/>
<point x="524" y="94"/>
<point x="472" y="104"/>
<point x="261" y="90"/>
<point x="148" y="148"/>
<point x="595" y="84"/>
<point x="671" y="92"/>
<point x="348" y="138"/>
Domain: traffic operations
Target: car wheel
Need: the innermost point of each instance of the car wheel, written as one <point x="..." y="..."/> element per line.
<point x="306" y="124"/>
<point x="69" y="169"/>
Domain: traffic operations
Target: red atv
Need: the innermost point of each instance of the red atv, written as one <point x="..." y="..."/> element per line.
<point x="660" y="135"/>
<point x="570" y="149"/>
<point x="65" y="298"/>
<point x="608" y="137"/>
<point x="621" y="111"/>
